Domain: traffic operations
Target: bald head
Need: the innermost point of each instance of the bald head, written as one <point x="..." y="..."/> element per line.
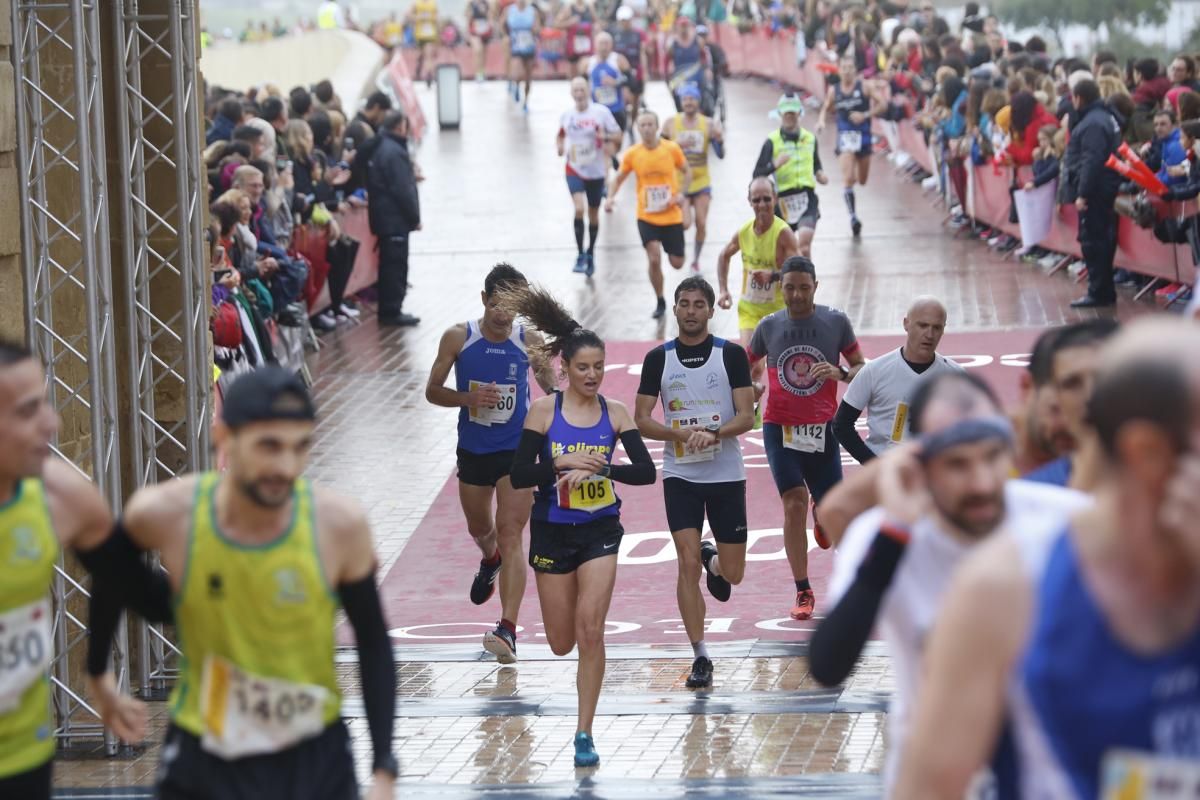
<point x="762" y="199"/>
<point x="924" y="325"/>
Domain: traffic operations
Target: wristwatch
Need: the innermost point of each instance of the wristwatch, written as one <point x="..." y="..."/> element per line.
<point x="387" y="763"/>
<point x="714" y="429"/>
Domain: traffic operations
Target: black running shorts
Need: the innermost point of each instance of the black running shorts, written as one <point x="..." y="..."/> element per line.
<point x="559" y="548"/>
<point x="483" y="469"/>
<point x="723" y="503"/>
<point x="320" y="768"/>
<point x="671" y="237"/>
<point x="31" y="785"/>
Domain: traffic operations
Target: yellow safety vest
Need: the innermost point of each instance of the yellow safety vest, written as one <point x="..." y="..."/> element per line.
<point x="797" y="173"/>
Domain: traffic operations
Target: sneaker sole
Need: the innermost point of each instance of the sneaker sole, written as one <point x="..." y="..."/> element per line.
<point x="697" y="685"/>
<point x="801" y="617"/>
<point x="590" y="762"/>
<point x="499" y="648"/>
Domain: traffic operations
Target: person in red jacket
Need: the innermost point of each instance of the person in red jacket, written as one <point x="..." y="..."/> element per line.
<point x="1028" y="117"/>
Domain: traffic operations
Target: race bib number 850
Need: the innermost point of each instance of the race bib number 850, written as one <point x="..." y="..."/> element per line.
<point x="25" y="650"/>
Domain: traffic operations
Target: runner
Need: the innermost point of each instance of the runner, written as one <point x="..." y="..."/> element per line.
<point x="660" y="217"/>
<point x="522" y="26"/>
<point x="479" y="29"/>
<point x="1084" y="634"/>
<point x="585" y="135"/>
<point x="576" y="528"/>
<point x="694" y="133"/>
<point x="491" y="376"/>
<point x="708" y="401"/>
<point x="423" y="17"/>
<point x="884" y="387"/>
<point x="577" y="19"/>
<point x="791" y="156"/>
<point x="940" y="495"/>
<point x="803" y="345"/>
<point x="765" y="242"/>
<point x="855" y="105"/>
<point x="259" y="559"/>
<point x="45" y="507"/>
<point x="605" y="72"/>
<point x="687" y="62"/>
<point x="631" y="43"/>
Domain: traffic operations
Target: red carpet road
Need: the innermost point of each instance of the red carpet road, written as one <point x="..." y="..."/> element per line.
<point x="425" y="593"/>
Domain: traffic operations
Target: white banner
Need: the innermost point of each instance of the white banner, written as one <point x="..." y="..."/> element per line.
<point x="1035" y="210"/>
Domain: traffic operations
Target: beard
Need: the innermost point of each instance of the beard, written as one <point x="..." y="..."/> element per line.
<point x="261" y="495"/>
<point x="973" y="524"/>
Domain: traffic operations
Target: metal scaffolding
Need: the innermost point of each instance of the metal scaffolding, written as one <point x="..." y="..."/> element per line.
<point x="164" y="202"/>
<point x="68" y="292"/>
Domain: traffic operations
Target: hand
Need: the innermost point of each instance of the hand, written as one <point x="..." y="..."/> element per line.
<point x="609" y="80"/>
<point x="383" y="787"/>
<point x="232" y="280"/>
<point x="1081" y="203"/>
<point x="1181" y="505"/>
<point x="356" y="202"/>
<point x="572" y="478"/>
<point x="901" y="485"/>
<point x="287" y="180"/>
<point x="823" y="370"/>
<point x="820" y="124"/>
<point x="348" y="156"/>
<point x="762" y="277"/>
<point x="483" y="397"/>
<point x="725" y="301"/>
<point x="699" y="439"/>
<point x="1029" y="186"/>
<point x="338" y="176"/>
<point x="608" y="206"/>
<point x="781" y="159"/>
<point x="268" y="266"/>
<point x="121" y="714"/>
<point x="561" y="151"/>
<point x="1178" y="171"/>
<point x="822" y="178"/>
<point x="677" y="199"/>
<point x="857" y="117"/>
<point x="591" y="463"/>
<point x="759" y="389"/>
<point x="418" y="173"/>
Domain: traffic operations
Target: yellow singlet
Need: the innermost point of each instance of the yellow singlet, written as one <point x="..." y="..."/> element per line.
<point x="694" y="142"/>
<point x="759" y="298"/>
<point x="266" y="610"/>
<point x="28" y="551"/>
<point x="425" y="18"/>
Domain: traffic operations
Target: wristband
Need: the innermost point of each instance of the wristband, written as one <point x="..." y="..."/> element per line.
<point x="604" y="471"/>
<point x="898" y="533"/>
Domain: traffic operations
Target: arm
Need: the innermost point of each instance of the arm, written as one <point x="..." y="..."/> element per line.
<point x="618" y="182"/>
<point x="410" y="203"/>
<point x="766" y="160"/>
<point x="826" y="107"/>
<point x="849" y="497"/>
<point x="786" y="246"/>
<point x="1047" y="175"/>
<point x="730" y="250"/>
<point x="436" y="391"/>
<point x="647" y="398"/>
<point x="1092" y="155"/>
<point x="641" y="472"/>
<point x="843" y="428"/>
<point x="543" y="370"/>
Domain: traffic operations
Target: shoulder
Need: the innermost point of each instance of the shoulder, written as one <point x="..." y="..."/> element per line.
<point x="339" y="516"/>
<point x="833" y="314"/>
<point x="618" y="412"/>
<point x="1028" y="499"/>
<point x="456" y="333"/>
<point x="656" y="353"/>
<point x="74" y="503"/>
<point x="543" y="407"/>
<point x="162" y="507"/>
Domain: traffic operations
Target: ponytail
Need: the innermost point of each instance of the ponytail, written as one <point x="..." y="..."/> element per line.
<point x="564" y="336"/>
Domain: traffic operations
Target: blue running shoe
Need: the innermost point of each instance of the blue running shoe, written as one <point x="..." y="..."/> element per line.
<point x="591" y="264"/>
<point x="585" y="750"/>
<point x="580" y="264"/>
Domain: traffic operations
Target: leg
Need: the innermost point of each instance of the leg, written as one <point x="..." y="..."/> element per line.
<point x="701" y="203"/>
<point x="593" y="226"/>
<point x="393" y="275"/>
<point x="477" y="49"/>
<point x="578" y="200"/>
<point x="654" y="262"/>
<point x="687" y="212"/>
<point x="726" y="510"/>
<point x="795" y="530"/>
<point x="804" y="237"/>
<point x="595" y="581"/>
<point x="557" y="597"/>
<point x="687" y="584"/>
<point x="477" y="508"/>
<point x="33" y="784"/>
<point x="673" y="243"/>
<point x="512" y="514"/>
<point x="864" y="169"/>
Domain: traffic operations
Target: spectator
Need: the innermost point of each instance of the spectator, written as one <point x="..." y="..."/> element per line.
<point x="322" y="131"/>
<point x="301" y="102"/>
<point x="369" y="118"/>
<point x="1027" y="120"/>
<point x="1093" y="188"/>
<point x="1152" y="87"/>
<point x="1103" y="57"/>
<point x="1046" y="156"/>
<point x="267" y="138"/>
<point x="251" y="136"/>
<point x="1182" y="73"/>
<point x="1165" y="153"/>
<point x="275" y="112"/>
<point x="309" y="166"/>
<point x="324" y="94"/>
<point x="394" y="212"/>
<point x="1188" y="106"/>
<point x="229" y="116"/>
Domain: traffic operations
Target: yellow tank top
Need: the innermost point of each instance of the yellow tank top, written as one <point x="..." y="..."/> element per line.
<point x="694" y="143"/>
<point x="28" y="552"/>
<point x="268" y="610"/>
<point x="758" y="255"/>
<point x="425" y="20"/>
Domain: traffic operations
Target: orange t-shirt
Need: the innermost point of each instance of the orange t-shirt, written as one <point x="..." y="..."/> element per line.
<point x="657" y="174"/>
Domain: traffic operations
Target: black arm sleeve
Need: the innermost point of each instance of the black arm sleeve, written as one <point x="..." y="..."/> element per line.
<point x="641" y="472"/>
<point x="376" y="667"/>
<point x="843" y="429"/>
<point x="652" y="370"/>
<point x="839" y="639"/>
<point x="737" y="366"/>
<point x="817" y="158"/>
<point x="766" y="160"/>
<point x="104" y="612"/>
<point x="527" y="471"/>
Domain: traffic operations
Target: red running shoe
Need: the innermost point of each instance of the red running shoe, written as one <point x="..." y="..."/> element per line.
<point x="806" y="603"/>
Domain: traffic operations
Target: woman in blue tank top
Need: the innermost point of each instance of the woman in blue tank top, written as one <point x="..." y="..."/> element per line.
<point x="566" y="451"/>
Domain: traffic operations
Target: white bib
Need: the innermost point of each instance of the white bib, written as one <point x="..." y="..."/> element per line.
<point x="658" y="198"/>
<point x="426" y="30"/>
<point x="246" y="715"/>
<point x="500" y="413"/>
<point x="480" y="27"/>
<point x="690" y="141"/>
<point x="804" y="438"/>
<point x="26" y="650"/>
<point x="849" y="141"/>
<point x="685" y="419"/>
<point x="582" y="43"/>
<point x="760" y="286"/>
<point x="794" y="206"/>
<point x="606" y="95"/>
<point x="522" y="40"/>
<point x="581" y="153"/>
<point x="1131" y="775"/>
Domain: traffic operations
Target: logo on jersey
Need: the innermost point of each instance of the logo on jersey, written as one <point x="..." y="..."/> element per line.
<point x="794" y="365"/>
<point x="289" y="589"/>
<point x="711" y="380"/>
<point x="512" y="370"/>
<point x="26" y="547"/>
<point x="216" y="586"/>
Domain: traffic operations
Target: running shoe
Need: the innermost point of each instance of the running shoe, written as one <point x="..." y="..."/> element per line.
<point x="502" y="644"/>
<point x="856" y="227"/>
<point x="701" y="676"/>
<point x="819" y="534"/>
<point x="718" y="587"/>
<point x="591" y="264"/>
<point x="696" y="267"/>
<point x="484" y="584"/>
<point x="585" y="750"/>
<point x="580" y="264"/>
<point x="806" y="602"/>
<point x="660" y="308"/>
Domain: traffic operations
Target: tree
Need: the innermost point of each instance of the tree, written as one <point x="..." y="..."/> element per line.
<point x="1058" y="14"/>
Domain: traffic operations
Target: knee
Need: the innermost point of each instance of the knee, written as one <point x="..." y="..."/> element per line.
<point x="733" y="572"/>
<point x="689" y="567"/>
<point x="796" y="502"/>
<point x="561" y="642"/>
<point x="589" y="633"/>
<point x="509" y="537"/>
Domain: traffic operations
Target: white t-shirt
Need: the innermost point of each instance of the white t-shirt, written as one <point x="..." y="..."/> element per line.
<point x="883" y="388"/>
<point x="586" y="132"/>
<point x="911" y="603"/>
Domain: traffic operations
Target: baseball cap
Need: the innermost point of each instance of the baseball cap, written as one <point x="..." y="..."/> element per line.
<point x="689" y="90"/>
<point x="789" y="104"/>
<point x="624" y="13"/>
<point x="267" y="394"/>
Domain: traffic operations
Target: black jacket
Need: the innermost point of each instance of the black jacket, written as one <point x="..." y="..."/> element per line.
<point x="1095" y="137"/>
<point x="393" y="206"/>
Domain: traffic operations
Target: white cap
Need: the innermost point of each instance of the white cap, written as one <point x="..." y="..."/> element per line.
<point x="624" y="13"/>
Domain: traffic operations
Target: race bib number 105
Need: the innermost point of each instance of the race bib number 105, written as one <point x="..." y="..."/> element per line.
<point x="590" y="495"/>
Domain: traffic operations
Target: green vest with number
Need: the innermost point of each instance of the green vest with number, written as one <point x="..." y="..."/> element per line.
<point x="797" y="173"/>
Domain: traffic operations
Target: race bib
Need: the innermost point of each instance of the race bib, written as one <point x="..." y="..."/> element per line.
<point x="591" y="495"/>
<point x="760" y="286"/>
<point x="426" y="30"/>
<point x="480" y="27"/>
<point x="25" y="650"/>
<point x="582" y="43"/>
<point x="804" y="438"/>
<point x="658" y="198"/>
<point x="794" y="206"/>
<point x="522" y="41"/>
<point x="901" y="420"/>
<point x="690" y="141"/>
<point x="500" y="413"/>
<point x="582" y="153"/>
<point x="1130" y="775"/>
<point x="606" y="95"/>
<point x="685" y="420"/>
<point x="849" y="141"/>
<point x="246" y="715"/>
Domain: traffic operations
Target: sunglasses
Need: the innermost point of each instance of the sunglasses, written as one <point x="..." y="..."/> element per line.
<point x="762" y="199"/>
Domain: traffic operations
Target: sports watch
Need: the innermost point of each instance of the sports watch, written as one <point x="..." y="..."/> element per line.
<point x="714" y="428"/>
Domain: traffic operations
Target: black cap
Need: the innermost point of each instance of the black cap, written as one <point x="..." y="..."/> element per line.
<point x="266" y="394"/>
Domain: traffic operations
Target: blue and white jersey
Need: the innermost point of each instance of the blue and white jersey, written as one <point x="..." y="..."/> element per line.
<point x="522" y="41"/>
<point x="480" y="362"/>
<point x="1090" y="717"/>
<point x="605" y="94"/>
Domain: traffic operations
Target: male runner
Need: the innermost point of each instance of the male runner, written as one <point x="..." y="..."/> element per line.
<point x="855" y="104"/>
<point x="45" y="507"/>
<point x="803" y="345"/>
<point x="631" y="43"/>
<point x="708" y="401"/>
<point x="884" y="387"/>
<point x="657" y="165"/>
<point x="1085" y="635"/>
<point x="491" y="372"/>
<point x="606" y="72"/>
<point x="694" y="133"/>
<point x="939" y="496"/>
<point x="790" y="154"/>
<point x="521" y="25"/>
<point x="765" y="242"/>
<point x="259" y="560"/>
<point x="586" y="134"/>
